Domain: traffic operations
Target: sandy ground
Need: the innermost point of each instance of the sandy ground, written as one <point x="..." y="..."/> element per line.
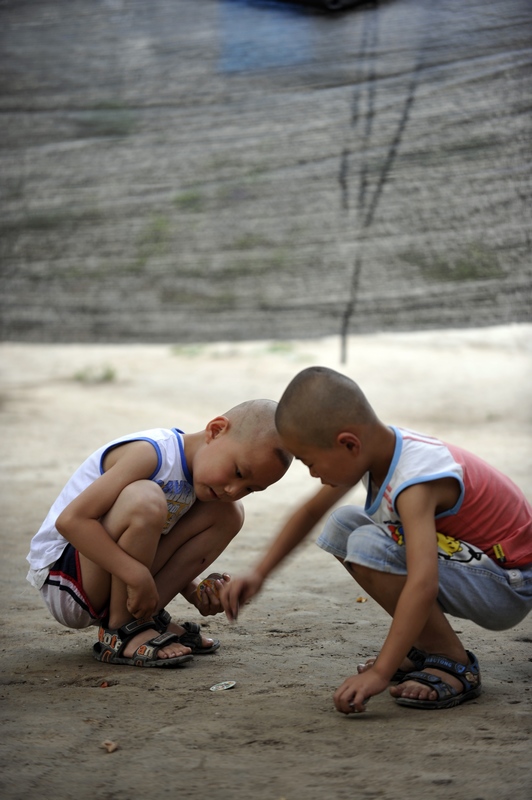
<point x="276" y="734"/>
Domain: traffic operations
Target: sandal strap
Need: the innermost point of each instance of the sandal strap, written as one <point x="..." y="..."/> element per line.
<point x="467" y="674"/>
<point x="417" y="657"/>
<point x="116" y="639"/>
<point x="162" y="620"/>
<point x="192" y="629"/>
<point x="190" y="638"/>
<point x="135" y="626"/>
<point x="149" y="650"/>
<point x="192" y="635"/>
<point x="442" y="689"/>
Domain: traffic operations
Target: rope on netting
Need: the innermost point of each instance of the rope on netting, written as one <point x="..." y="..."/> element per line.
<point x="367" y="208"/>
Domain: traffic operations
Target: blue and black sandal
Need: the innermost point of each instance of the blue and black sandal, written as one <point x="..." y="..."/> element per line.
<point x="417" y="657"/>
<point x="448" y="696"/>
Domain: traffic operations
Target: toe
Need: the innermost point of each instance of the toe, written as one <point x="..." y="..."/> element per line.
<point x="417" y="691"/>
<point x="174" y="651"/>
<point x="413" y="690"/>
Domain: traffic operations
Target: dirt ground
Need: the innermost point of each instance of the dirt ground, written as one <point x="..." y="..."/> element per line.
<point x="276" y="734"/>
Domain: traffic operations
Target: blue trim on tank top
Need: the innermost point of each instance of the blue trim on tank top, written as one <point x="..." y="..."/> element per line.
<point x="136" y="439"/>
<point x="179" y="436"/>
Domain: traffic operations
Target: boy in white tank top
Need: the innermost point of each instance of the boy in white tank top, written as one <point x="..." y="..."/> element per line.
<point x="140" y="520"/>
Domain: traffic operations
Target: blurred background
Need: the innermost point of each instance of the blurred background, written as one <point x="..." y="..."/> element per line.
<point x="200" y="170"/>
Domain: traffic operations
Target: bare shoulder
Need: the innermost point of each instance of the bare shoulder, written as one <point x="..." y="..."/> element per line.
<point x="140" y="455"/>
<point x="124" y="465"/>
<point x="428" y="497"/>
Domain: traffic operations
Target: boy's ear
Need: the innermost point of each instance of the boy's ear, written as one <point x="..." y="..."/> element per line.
<point x="349" y="441"/>
<point x="216" y="427"/>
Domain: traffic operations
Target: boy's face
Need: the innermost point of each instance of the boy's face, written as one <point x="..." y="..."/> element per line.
<point x="337" y="465"/>
<point x="228" y="468"/>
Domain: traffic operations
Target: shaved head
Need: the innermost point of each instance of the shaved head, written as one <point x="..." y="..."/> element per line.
<point x="320" y="403"/>
<point x="254" y="421"/>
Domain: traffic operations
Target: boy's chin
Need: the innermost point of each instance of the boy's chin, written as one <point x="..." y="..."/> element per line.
<point x="205" y="494"/>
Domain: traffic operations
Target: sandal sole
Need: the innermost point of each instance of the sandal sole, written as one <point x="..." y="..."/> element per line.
<point x="162" y="663"/>
<point x="203" y="651"/>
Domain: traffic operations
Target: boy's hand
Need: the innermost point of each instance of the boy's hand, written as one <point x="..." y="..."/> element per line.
<point x="355" y="691"/>
<point x="142" y="596"/>
<point x="238" y="592"/>
<point x="207" y="600"/>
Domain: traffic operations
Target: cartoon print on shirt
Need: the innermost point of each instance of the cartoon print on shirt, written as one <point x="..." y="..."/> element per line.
<point x="179" y="496"/>
<point x="397" y="533"/>
<point x="448" y="544"/>
<point x="449" y="548"/>
<point x="453" y="549"/>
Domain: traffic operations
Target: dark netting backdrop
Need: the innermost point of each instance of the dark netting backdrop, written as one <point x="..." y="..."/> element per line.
<point x="197" y="170"/>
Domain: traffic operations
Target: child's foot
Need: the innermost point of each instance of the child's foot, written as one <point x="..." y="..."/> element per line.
<point x="204" y="643"/>
<point x="189" y="633"/>
<point x="443" y="683"/>
<point x="139" y="643"/>
<point x="172" y="650"/>
<point x="417" y="691"/>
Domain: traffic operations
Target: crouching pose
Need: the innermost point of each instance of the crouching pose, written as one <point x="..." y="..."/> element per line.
<point x="138" y="522"/>
<point x="441" y="532"/>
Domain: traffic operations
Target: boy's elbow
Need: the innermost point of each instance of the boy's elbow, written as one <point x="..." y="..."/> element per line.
<point x="65" y="522"/>
<point x="426" y="587"/>
<point x="430" y="590"/>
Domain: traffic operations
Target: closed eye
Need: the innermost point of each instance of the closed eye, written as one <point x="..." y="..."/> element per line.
<point x="239" y="475"/>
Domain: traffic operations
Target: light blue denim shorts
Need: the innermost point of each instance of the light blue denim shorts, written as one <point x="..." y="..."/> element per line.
<point x="472" y="586"/>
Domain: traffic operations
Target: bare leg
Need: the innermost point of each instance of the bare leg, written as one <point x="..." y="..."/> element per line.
<point x="193" y="544"/>
<point x="191" y="547"/>
<point x="436" y="638"/>
<point x="135" y="523"/>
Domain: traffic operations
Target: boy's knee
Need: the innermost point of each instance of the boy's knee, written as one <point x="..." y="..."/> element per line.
<point x="145" y="502"/>
<point x="358" y="571"/>
<point x="229" y="518"/>
<point x="235" y="517"/>
<point x="348" y="519"/>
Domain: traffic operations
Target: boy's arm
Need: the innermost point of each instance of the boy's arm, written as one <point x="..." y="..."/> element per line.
<point x="417" y="509"/>
<point x="297" y="527"/>
<point x="80" y="521"/>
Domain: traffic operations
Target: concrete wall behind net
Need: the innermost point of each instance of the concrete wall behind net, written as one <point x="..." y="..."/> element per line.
<point x="193" y="170"/>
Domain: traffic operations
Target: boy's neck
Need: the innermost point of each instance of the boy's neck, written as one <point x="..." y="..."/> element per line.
<point x="382" y="448"/>
<point x="191" y="445"/>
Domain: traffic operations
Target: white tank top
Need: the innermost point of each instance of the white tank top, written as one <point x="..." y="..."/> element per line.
<point x="171" y="474"/>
